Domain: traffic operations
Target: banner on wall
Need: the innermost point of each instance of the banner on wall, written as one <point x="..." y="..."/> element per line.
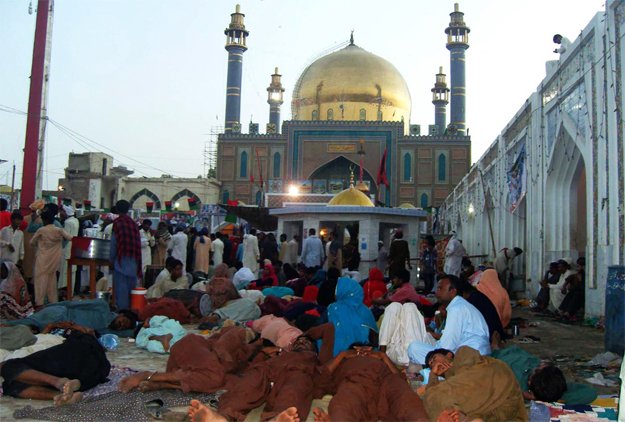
<point x="517" y="181"/>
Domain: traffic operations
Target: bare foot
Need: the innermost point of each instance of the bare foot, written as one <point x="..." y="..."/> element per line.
<point x="70" y="398"/>
<point x="67" y="386"/>
<point x="320" y="415"/>
<point x="199" y="413"/>
<point x="164" y="339"/>
<point x="289" y="415"/>
<point x="132" y="381"/>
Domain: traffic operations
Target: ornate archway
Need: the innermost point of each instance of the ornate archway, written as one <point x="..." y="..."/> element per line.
<point x="149" y="194"/>
<point x="336" y="174"/>
<point x="183" y="193"/>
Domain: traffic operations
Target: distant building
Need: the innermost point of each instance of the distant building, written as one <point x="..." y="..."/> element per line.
<point x="349" y="107"/>
<point x="92" y="176"/>
<point x="553" y="180"/>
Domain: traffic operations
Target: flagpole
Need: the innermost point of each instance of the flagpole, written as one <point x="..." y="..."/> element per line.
<point x="490" y="223"/>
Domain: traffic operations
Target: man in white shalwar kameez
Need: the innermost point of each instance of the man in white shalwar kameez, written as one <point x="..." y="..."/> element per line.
<point x="565" y="266"/>
<point x="453" y="257"/>
<point x="251" y="254"/>
<point x="401" y="325"/>
<point x="147" y="243"/>
<point x="218" y="250"/>
<point x="178" y="246"/>
<point x="70" y="225"/>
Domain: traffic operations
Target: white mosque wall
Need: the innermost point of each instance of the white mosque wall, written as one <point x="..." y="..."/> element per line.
<point x="573" y="137"/>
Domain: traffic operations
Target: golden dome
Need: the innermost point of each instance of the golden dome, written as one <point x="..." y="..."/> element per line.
<point x="351" y="84"/>
<point x="406" y="205"/>
<point x="351" y="197"/>
<point x="362" y="186"/>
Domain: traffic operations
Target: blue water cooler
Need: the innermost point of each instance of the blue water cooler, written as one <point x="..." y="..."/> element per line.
<point x="615" y="310"/>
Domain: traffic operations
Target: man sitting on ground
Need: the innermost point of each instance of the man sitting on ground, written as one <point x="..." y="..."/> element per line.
<point x="474" y="386"/>
<point x="173" y="279"/>
<point x="465" y="325"/>
<point x="403" y="291"/>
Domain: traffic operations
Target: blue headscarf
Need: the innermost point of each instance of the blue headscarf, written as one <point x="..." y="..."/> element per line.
<point x="352" y="320"/>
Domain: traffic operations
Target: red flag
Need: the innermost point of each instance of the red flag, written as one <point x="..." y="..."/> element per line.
<point x="260" y="169"/>
<point x="382" y="179"/>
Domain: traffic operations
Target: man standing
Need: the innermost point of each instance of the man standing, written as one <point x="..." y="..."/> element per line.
<point x="398" y="255"/>
<point x="251" y="253"/>
<point x="227" y="250"/>
<point x="125" y="255"/>
<point x="453" y="256"/>
<point x="12" y="240"/>
<point x="71" y="225"/>
<point x="293" y="250"/>
<point x="503" y="264"/>
<point x="465" y="325"/>
<point x="178" y="246"/>
<point x="284" y="249"/>
<point x="218" y="250"/>
<point x="312" y="250"/>
<point x="147" y="243"/>
<point x="382" y="259"/>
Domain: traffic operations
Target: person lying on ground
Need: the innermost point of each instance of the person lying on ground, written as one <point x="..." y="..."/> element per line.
<point x="200" y="413"/>
<point x="464" y="326"/>
<point x="543" y="381"/>
<point x="473" y="386"/>
<point x="14" y="298"/>
<point x="282" y="378"/>
<point x="366" y="385"/>
<point x="198" y="364"/>
<point x="93" y="313"/>
<point x="223" y="301"/>
<point x="59" y="373"/>
<point x="159" y="334"/>
<point x="276" y="330"/>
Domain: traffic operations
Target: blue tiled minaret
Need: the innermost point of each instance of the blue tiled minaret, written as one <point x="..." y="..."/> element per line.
<point x="275" y="93"/>
<point x="457" y="42"/>
<point x="236" y="37"/>
<point x="440" y="99"/>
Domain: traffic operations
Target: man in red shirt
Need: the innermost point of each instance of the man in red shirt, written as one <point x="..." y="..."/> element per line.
<point x="5" y="215"/>
<point x="402" y="291"/>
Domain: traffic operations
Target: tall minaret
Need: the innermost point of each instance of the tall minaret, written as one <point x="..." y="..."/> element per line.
<point x="236" y="37"/>
<point x="275" y="93"/>
<point x="440" y="99"/>
<point x="457" y="42"/>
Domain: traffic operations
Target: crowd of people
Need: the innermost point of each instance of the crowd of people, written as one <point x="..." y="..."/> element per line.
<point x="289" y="321"/>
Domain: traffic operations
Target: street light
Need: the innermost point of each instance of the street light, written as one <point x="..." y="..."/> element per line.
<point x="471" y="209"/>
<point x="293" y="190"/>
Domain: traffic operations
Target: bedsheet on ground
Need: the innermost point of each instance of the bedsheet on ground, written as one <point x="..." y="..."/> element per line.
<point x="113" y="406"/>
<point x="579" y="413"/>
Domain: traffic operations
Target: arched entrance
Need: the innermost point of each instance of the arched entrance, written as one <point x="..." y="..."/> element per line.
<point x="565" y="201"/>
<point x="151" y="197"/>
<point x="335" y="174"/>
<point x="184" y="205"/>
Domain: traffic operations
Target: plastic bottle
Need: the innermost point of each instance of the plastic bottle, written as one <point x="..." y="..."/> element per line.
<point x="539" y="412"/>
<point x="109" y="341"/>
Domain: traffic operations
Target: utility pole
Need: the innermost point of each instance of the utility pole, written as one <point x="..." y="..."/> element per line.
<point x="37" y="106"/>
<point x="13" y="186"/>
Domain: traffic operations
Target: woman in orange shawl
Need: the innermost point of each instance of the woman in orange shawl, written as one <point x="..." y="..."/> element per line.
<point x="490" y="285"/>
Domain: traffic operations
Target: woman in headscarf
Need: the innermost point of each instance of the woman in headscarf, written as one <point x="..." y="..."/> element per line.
<point x="14" y="299"/>
<point x="162" y="237"/>
<point x="374" y="287"/>
<point x="352" y="320"/>
<point x="202" y="247"/>
<point x="490" y="285"/>
<point x="268" y="277"/>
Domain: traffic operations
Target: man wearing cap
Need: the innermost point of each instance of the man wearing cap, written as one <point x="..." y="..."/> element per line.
<point x="71" y="226"/>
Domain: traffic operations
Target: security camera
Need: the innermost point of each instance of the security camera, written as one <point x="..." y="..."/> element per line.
<point x="557" y="39"/>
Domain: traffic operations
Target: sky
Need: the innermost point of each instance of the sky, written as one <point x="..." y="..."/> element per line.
<point x="144" y="80"/>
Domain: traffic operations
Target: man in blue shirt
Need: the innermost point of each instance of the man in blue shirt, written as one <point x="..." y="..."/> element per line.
<point x="312" y="250"/>
<point x="465" y="325"/>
